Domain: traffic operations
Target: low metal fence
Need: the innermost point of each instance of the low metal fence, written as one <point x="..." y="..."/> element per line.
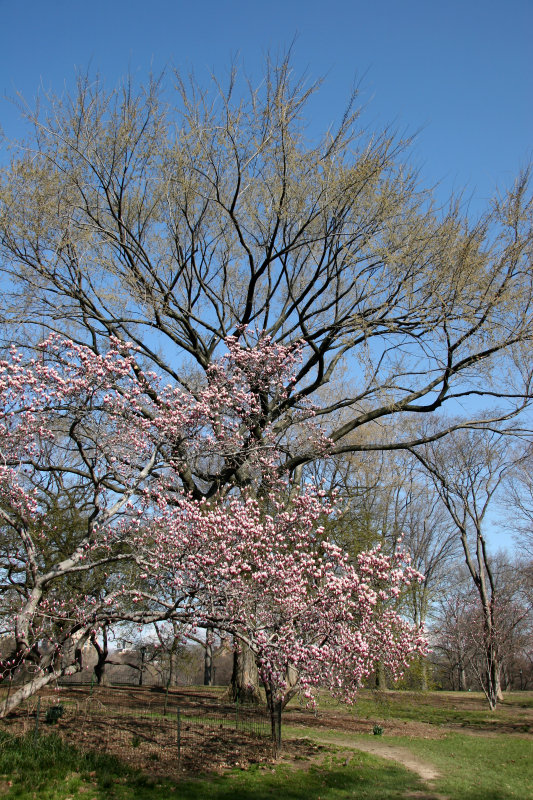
<point x="165" y="732"/>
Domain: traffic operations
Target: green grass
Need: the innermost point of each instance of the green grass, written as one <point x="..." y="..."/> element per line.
<point x="440" y="708"/>
<point x="479" y="767"/>
<point x="472" y="767"/>
<point x="50" y="770"/>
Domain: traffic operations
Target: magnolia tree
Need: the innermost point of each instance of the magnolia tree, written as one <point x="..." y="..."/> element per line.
<point x="107" y="447"/>
<point x="271" y="579"/>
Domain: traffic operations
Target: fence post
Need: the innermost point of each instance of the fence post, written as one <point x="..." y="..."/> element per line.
<point x="237" y="714"/>
<point x="179" y="738"/>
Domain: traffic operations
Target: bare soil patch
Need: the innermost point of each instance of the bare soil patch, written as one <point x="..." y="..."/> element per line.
<point x="511" y="717"/>
<point x="346" y="722"/>
<point x="117" y="723"/>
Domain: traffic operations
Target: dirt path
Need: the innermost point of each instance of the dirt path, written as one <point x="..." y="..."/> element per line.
<point x="391" y="751"/>
<point x="379" y="747"/>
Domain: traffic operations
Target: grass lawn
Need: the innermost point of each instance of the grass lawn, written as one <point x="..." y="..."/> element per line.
<point x="493" y="761"/>
<point x="472" y="767"/>
<point x="50" y="770"/>
<point x="467" y="709"/>
<point x="479" y="767"/>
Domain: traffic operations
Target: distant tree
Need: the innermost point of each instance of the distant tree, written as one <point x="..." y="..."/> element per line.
<point x="383" y="499"/>
<point x="519" y="485"/>
<point x="458" y="633"/>
<point x="467" y="470"/>
<point x="453" y="647"/>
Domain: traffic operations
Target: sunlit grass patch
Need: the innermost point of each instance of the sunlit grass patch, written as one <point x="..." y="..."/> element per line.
<point x="474" y="767"/>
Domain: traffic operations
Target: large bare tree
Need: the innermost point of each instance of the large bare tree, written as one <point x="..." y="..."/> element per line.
<point x="171" y="216"/>
<point x="175" y="223"/>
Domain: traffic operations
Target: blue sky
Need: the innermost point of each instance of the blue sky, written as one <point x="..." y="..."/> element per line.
<point x="458" y="71"/>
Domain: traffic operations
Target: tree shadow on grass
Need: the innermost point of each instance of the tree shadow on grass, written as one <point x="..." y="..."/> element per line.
<point x="52" y="770"/>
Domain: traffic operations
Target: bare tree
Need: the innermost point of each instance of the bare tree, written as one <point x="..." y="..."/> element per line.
<point x="514" y="577"/>
<point x="459" y="631"/>
<point x="467" y="471"/>
<point x="519" y="486"/>
<point x="453" y="649"/>
<point x="432" y="543"/>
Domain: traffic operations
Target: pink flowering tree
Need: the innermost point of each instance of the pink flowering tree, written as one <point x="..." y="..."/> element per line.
<point x="271" y="579"/>
<point x="103" y="522"/>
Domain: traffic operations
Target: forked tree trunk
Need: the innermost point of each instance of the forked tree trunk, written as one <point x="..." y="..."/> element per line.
<point x="102" y="653"/>
<point x="292" y="685"/>
<point x="494" y="689"/>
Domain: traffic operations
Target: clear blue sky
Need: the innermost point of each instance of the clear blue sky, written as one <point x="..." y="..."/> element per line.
<point x="460" y="71"/>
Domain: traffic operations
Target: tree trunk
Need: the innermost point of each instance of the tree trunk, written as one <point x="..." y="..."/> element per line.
<point x="141" y="669"/>
<point x="381" y="678"/>
<point x="493" y="665"/>
<point x="498" y="683"/>
<point x="507" y="679"/>
<point x="275" y="708"/>
<point x="208" y="659"/>
<point x="31" y="688"/>
<point x="275" y="717"/>
<point x="102" y="652"/>
<point x="48" y="674"/>
<point x="171" y="664"/>
<point x="423" y="675"/>
<point x="494" y="681"/>
<point x="462" y="677"/>
<point x="245" y="679"/>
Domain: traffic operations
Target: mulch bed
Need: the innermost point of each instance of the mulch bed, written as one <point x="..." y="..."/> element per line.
<point x="132" y="726"/>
